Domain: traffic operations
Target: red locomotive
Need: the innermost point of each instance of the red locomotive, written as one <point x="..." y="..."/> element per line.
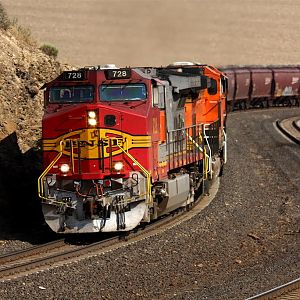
<point x="123" y="146"/>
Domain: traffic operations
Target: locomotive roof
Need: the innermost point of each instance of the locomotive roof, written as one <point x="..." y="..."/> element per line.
<point x="156" y="73"/>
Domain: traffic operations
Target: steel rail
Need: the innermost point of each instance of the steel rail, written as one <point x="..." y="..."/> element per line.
<point x="31" y="263"/>
<point x="295" y="124"/>
<point x="30" y="251"/>
<point x="285" y="132"/>
<point x="290" y="290"/>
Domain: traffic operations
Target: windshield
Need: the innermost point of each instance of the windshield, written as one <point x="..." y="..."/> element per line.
<point x="70" y="94"/>
<point x="117" y="92"/>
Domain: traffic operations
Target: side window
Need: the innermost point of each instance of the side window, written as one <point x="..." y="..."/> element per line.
<point x="213" y="87"/>
<point x="155" y="99"/>
<point x="159" y="96"/>
<point x="223" y="85"/>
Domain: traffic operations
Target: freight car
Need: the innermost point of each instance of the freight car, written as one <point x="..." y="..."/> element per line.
<point x="262" y="86"/>
<point x="123" y="146"/>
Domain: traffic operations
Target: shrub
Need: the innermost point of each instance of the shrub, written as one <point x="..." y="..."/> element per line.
<point x="4" y="20"/>
<point x="49" y="50"/>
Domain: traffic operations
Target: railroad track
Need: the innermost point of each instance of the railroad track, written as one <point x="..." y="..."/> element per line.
<point x="295" y="124"/>
<point x="291" y="290"/>
<point x="24" y="259"/>
<point x="287" y="291"/>
<point x="56" y="253"/>
<point x="290" y="128"/>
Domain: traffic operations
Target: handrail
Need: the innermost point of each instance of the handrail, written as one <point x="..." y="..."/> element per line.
<point x="207" y="158"/>
<point x="145" y="171"/>
<point x="210" y="159"/>
<point x="194" y="142"/>
<point x="225" y="146"/>
<point x="42" y="176"/>
<point x="72" y="157"/>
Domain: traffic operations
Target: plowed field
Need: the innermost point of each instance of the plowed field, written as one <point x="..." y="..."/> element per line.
<point x="140" y="32"/>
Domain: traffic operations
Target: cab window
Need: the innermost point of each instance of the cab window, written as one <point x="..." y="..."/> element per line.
<point x="71" y="94"/>
<point x="123" y="92"/>
<point x="213" y="88"/>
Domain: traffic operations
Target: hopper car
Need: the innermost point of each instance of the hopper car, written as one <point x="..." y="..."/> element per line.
<point x="258" y="86"/>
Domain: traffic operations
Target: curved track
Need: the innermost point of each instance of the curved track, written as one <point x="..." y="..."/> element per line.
<point x="290" y="128"/>
<point x="244" y="243"/>
<point x="291" y="290"/>
<point x="52" y="254"/>
<point x="206" y="239"/>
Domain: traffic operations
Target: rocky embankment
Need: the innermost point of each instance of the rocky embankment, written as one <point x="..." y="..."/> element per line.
<point x="23" y="70"/>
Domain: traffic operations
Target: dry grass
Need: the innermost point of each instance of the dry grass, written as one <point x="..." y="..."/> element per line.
<point x="4" y="20"/>
<point x="22" y="34"/>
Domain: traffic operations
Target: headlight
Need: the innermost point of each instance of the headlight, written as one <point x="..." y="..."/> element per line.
<point x="64" y="168"/>
<point x="92" y="114"/>
<point x="92" y="118"/>
<point x="118" y="166"/>
<point x="92" y="122"/>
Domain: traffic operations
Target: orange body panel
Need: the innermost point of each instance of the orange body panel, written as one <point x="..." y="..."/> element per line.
<point x="207" y="106"/>
<point x="189" y="113"/>
<point x="163" y="130"/>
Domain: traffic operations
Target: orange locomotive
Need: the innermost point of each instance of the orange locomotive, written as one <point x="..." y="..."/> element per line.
<point x="124" y="146"/>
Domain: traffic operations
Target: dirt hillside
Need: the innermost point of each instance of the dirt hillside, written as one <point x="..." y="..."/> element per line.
<point x="23" y="70"/>
<point x="141" y="32"/>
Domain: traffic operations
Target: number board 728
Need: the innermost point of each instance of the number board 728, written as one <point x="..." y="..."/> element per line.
<point x="73" y="75"/>
<point x="118" y="74"/>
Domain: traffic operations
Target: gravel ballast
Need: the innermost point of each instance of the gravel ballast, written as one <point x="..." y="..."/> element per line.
<point x="245" y="242"/>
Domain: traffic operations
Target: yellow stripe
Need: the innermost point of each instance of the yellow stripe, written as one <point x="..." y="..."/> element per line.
<point x="89" y="141"/>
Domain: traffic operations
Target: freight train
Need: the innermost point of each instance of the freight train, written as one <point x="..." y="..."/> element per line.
<point x="124" y="146"/>
<point x="258" y="86"/>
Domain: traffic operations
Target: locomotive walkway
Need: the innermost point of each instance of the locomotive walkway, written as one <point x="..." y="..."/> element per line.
<point x="291" y="128"/>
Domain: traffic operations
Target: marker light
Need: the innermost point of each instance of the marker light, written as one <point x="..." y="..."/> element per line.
<point x="118" y="166"/>
<point x="64" y="168"/>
